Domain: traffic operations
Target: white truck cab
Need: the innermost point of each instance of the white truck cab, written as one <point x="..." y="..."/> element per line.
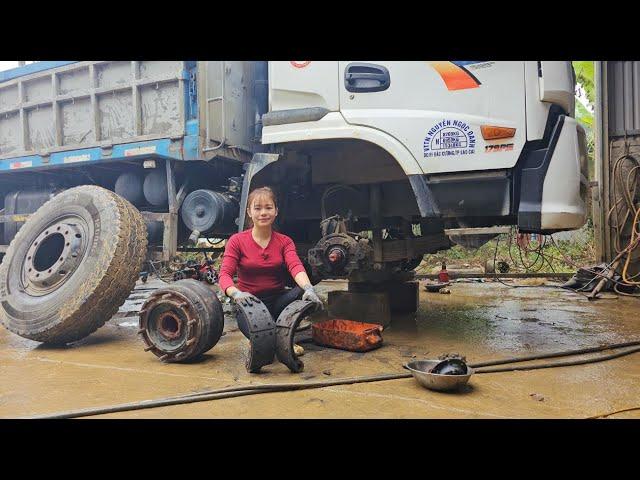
<point x="483" y="142"/>
<point x="405" y="151"/>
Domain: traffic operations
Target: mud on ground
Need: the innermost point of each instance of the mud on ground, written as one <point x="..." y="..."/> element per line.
<point x="479" y="320"/>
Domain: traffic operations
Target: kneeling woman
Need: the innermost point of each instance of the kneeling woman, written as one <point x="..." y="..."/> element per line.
<point x="262" y="257"/>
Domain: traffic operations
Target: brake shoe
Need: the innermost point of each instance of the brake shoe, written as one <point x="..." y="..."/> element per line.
<point x="286" y="327"/>
<point x="262" y="333"/>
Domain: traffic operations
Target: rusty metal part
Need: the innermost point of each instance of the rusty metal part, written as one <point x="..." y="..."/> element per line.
<point x="339" y="254"/>
<point x="336" y="256"/>
<point x="262" y="332"/>
<point x="287" y="326"/>
<point x="603" y="281"/>
<point x="169" y="325"/>
<point x="181" y="321"/>
<point x="210" y="276"/>
<point x="347" y="335"/>
<point x="179" y="275"/>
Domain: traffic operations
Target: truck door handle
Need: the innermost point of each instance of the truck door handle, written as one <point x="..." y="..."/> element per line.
<point x="366" y="77"/>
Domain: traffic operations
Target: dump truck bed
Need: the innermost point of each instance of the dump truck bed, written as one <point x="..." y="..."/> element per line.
<point x="67" y="112"/>
<point x="86" y="105"/>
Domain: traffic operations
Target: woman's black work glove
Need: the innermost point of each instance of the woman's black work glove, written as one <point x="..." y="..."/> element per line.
<point x="310" y="295"/>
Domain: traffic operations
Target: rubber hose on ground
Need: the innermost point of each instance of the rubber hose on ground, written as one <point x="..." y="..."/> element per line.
<point x="230" y="392"/>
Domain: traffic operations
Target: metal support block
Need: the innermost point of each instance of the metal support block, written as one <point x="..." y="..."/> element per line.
<point x="361" y="307"/>
<point x="403" y="295"/>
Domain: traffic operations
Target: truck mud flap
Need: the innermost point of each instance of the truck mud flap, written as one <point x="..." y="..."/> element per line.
<point x="532" y="181"/>
<point x="287" y="325"/>
<point x="258" y="162"/>
<point x="261" y="330"/>
<point x="424" y="197"/>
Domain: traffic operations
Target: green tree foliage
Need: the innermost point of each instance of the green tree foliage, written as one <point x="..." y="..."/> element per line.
<point x="586" y="88"/>
<point x="584" y="77"/>
<point x="584" y="116"/>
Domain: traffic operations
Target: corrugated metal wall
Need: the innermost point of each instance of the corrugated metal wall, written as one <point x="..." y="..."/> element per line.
<point x="624" y="98"/>
<point x="617" y="134"/>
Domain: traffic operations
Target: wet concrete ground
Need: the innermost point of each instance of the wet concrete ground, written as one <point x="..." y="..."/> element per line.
<point x="482" y="321"/>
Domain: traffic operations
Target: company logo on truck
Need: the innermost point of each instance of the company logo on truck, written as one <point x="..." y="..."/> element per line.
<point x="449" y="137"/>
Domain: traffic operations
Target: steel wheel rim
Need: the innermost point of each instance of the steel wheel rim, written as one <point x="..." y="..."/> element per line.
<point x="54" y="255"/>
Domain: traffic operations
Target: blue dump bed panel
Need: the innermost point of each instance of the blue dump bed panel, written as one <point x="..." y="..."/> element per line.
<point x="69" y="112"/>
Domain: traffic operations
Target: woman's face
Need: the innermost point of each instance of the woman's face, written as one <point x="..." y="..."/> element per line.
<point x="262" y="211"/>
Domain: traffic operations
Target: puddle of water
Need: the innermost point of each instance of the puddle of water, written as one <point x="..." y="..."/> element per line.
<point x="531" y="319"/>
<point x="128" y="324"/>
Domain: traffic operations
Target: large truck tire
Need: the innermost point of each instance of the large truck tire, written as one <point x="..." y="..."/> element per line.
<point x="71" y="265"/>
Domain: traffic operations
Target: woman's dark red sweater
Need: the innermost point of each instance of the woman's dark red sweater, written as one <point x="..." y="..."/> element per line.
<point x="260" y="270"/>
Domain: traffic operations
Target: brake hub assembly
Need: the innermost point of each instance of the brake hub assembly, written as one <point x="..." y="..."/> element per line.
<point x="287" y="325"/>
<point x="261" y="330"/>
<point x="339" y="254"/>
<point x="181" y="321"/>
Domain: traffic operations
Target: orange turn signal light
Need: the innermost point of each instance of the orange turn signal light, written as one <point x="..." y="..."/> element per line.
<point x="491" y="132"/>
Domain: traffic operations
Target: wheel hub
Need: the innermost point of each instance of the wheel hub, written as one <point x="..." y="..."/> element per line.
<point x="339" y="254"/>
<point x="181" y="321"/>
<point x="53" y="256"/>
<point x="169" y="325"/>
